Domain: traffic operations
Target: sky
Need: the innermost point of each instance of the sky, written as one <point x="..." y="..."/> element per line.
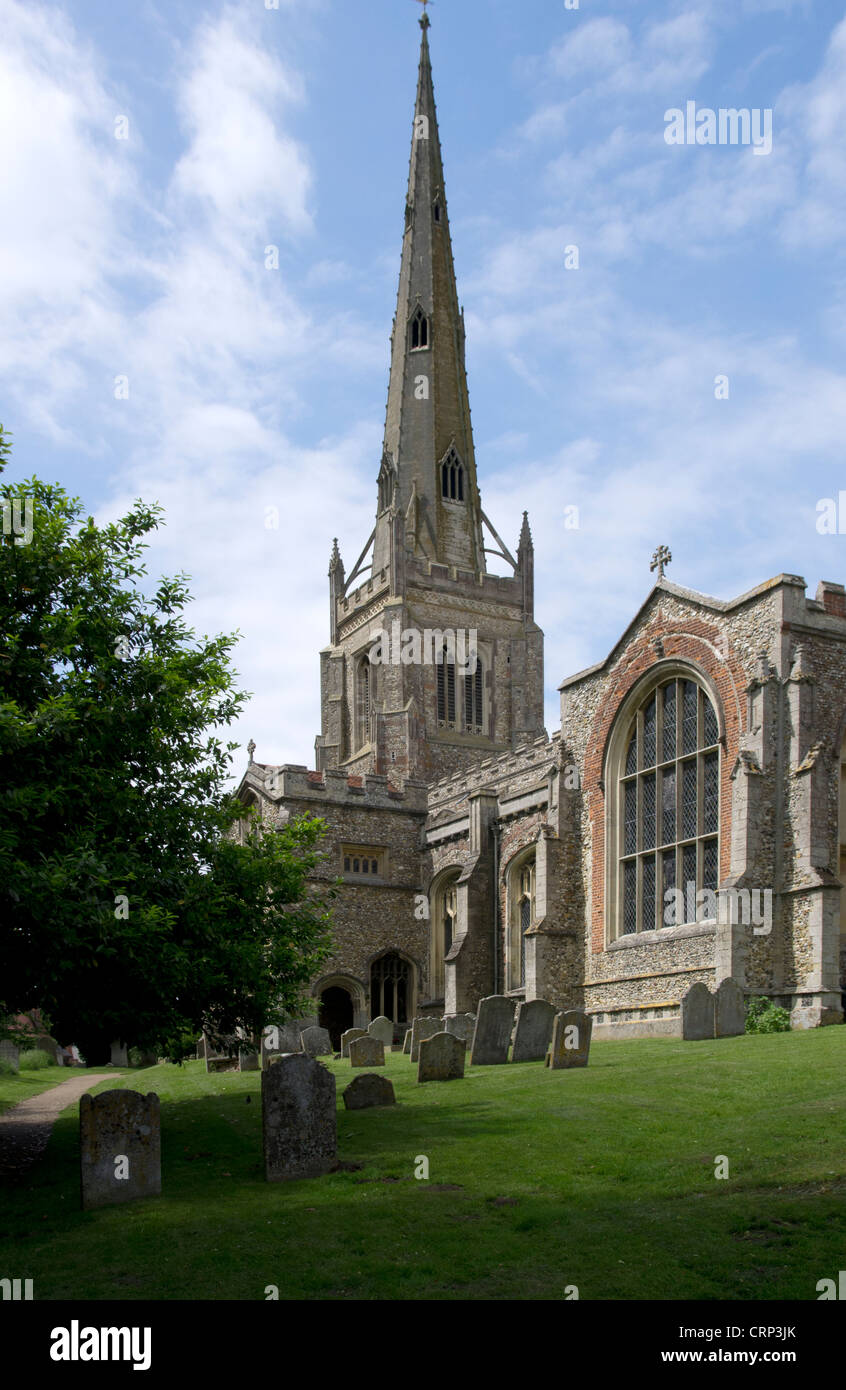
<point x="683" y="384"/>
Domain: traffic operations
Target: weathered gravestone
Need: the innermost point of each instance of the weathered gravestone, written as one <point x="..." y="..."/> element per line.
<point x="571" y="1033"/>
<point x="10" y="1053"/>
<point x="367" y="1052"/>
<point x="729" y="1009"/>
<point x="492" y="1034"/>
<point x="367" y="1090"/>
<point x="383" y="1029"/>
<point x="299" y="1126"/>
<point x="461" y="1026"/>
<point x="279" y="1038"/>
<point x="533" y="1032"/>
<point x="423" y="1028"/>
<point x="120" y="1056"/>
<point x="248" y="1061"/>
<point x="350" y="1036"/>
<point x="441" y="1058"/>
<point x="406" y="1042"/>
<point x="697" y="1011"/>
<point x="120" y="1147"/>
<point x="316" y="1042"/>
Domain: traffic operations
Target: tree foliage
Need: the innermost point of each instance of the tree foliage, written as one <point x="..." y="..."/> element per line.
<point x="130" y="910"/>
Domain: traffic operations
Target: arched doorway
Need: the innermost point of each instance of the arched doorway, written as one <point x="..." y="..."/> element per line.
<point x="335" y="1013"/>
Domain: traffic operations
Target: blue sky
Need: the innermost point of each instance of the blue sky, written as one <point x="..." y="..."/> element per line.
<point x="252" y="388"/>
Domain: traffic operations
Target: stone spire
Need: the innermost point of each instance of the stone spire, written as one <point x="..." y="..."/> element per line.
<point x="428" y="445"/>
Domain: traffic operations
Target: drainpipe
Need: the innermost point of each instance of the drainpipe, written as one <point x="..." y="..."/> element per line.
<point x="495" y="835"/>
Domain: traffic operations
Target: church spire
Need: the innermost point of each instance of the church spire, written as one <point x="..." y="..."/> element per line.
<point x="428" y="462"/>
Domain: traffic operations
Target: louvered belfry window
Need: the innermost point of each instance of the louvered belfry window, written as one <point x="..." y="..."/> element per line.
<point x="669" y="803"/>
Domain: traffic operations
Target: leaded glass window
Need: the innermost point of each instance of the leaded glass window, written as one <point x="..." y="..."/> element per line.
<point x="669" y="799"/>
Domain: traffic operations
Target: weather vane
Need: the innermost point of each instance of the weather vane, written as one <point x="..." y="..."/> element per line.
<point x="425" y="20"/>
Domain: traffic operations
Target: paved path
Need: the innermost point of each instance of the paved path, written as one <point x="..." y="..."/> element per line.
<point x="25" y="1129"/>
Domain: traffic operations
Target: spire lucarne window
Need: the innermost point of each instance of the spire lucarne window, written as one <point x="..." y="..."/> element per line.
<point x="452" y="477"/>
<point x="419" y="331"/>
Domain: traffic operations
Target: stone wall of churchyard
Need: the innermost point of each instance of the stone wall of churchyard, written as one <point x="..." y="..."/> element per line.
<point x="725" y="646"/>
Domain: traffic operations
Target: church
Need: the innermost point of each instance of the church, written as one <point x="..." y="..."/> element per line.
<point x="686" y="823"/>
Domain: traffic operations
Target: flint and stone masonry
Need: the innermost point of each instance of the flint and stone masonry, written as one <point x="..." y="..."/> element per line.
<point x="481" y="856"/>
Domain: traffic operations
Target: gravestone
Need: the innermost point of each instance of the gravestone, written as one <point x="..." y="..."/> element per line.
<point x="441" y="1058"/>
<point x="350" y="1036"/>
<point x="406" y="1042"/>
<point x="10" y="1053"/>
<point x="697" y="1011"/>
<point x="298" y="1121"/>
<point x="533" y="1032"/>
<point x="248" y="1061"/>
<point x="280" y="1038"/>
<point x="316" y="1042"/>
<point x="383" y="1029"/>
<point x="729" y="1009"/>
<point x="367" y="1090"/>
<point x="461" y="1026"/>
<point x="147" y="1059"/>
<point x="571" y="1033"/>
<point x="423" y="1028"/>
<point x="120" y="1056"/>
<point x="367" y="1052"/>
<point x="492" y="1034"/>
<point x="120" y="1147"/>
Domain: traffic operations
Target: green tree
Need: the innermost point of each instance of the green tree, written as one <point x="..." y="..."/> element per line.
<point x="129" y="909"/>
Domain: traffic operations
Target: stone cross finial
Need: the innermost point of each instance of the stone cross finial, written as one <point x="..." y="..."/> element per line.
<point x="251" y="748"/>
<point x="661" y="558"/>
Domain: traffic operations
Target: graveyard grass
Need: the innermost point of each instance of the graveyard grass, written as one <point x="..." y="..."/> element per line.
<point x="602" y="1178"/>
<point x="14" y="1089"/>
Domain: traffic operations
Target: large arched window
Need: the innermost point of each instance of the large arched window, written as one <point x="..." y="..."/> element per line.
<point x="391" y="988"/>
<point x="668" y="807"/>
<point x="521" y="914"/>
<point x="363" y="697"/>
<point x="444" y="920"/>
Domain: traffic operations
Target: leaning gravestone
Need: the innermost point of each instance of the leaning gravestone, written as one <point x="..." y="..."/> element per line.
<point x="383" y="1029"/>
<point x="367" y="1090"/>
<point x="492" y="1034"/>
<point x="697" y="1011"/>
<point x="423" y="1028"/>
<point x="350" y="1036"/>
<point x="299" y="1125"/>
<point x="533" y="1032"/>
<point x="11" y="1054"/>
<point x="316" y="1042"/>
<point x="120" y="1147"/>
<point x="367" y="1052"/>
<point x="571" y="1033"/>
<point x="406" y="1042"/>
<point x="441" y="1058"/>
<point x="729" y="1009"/>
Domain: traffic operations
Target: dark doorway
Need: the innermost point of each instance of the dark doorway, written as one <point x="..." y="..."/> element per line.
<point x="336" y="1013"/>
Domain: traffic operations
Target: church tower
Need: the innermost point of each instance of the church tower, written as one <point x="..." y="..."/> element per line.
<point x="433" y="663"/>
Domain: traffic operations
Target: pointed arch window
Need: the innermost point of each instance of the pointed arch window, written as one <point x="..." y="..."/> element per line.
<point x="446" y="690"/>
<point x="392" y="988"/>
<point x="668" y="806"/>
<point x="521" y="895"/>
<point x="452" y="477"/>
<point x="474" y="700"/>
<point x="386" y="486"/>
<point x="437" y="210"/>
<point x="419" y="331"/>
<point x="444" y="921"/>
<point x="363" y="698"/>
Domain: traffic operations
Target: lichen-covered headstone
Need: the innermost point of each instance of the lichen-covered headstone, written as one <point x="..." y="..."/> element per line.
<point x="441" y="1058"/>
<point x="299" y="1126"/>
<point x="350" y="1036"/>
<point x="423" y="1028"/>
<point x="492" y="1034"/>
<point x="697" y="1011"/>
<point x="729" y="1009"/>
<point x="120" y="1147"/>
<point x="367" y="1052"/>
<point x="367" y="1090"/>
<point x="461" y="1026"/>
<point x="383" y="1029"/>
<point x="316" y="1042"/>
<point x="533" y="1031"/>
<point x="571" y="1033"/>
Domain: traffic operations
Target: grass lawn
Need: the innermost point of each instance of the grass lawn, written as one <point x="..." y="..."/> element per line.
<point x="602" y="1178"/>
<point x="14" y="1089"/>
